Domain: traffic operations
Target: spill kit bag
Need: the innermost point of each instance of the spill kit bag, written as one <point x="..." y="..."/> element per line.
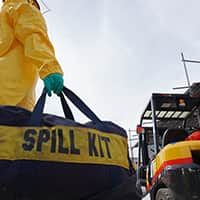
<point x="44" y="156"/>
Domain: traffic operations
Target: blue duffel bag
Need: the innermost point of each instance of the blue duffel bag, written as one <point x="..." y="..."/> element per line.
<point x="47" y="157"/>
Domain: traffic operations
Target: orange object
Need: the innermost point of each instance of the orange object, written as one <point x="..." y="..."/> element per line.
<point x="194" y="136"/>
<point x="139" y="129"/>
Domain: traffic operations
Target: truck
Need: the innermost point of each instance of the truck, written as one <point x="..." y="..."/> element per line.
<point x="168" y="163"/>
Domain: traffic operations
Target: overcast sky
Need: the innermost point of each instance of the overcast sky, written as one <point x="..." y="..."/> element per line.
<point x="115" y="53"/>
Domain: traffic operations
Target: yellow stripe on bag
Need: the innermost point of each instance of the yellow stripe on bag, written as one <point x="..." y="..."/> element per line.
<point x="63" y="144"/>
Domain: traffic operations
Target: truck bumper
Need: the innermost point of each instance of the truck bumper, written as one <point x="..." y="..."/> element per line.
<point x="183" y="181"/>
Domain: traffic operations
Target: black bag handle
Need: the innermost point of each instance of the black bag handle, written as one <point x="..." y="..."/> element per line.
<point x="66" y="109"/>
<point x="81" y="105"/>
<point x="36" y="116"/>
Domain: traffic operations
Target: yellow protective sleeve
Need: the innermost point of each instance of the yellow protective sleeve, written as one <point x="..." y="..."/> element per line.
<point x="30" y="29"/>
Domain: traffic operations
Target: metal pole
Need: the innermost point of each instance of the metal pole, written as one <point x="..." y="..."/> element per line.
<point x="46" y="7"/>
<point x="130" y="143"/>
<point x="192" y="61"/>
<point x="155" y="131"/>
<point x="186" y="72"/>
<point x="177" y="88"/>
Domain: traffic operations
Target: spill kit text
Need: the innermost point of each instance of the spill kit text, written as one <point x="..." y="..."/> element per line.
<point x="66" y="142"/>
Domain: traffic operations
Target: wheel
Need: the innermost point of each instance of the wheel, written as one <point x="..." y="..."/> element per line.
<point x="164" y="194"/>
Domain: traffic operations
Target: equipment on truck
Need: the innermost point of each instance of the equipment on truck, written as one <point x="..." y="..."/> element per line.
<point x="168" y="166"/>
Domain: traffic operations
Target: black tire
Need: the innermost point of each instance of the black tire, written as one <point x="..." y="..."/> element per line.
<point x="164" y="194"/>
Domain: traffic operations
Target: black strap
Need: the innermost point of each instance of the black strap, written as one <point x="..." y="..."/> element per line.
<point x="36" y="116"/>
<point x="66" y="109"/>
<point x="81" y="105"/>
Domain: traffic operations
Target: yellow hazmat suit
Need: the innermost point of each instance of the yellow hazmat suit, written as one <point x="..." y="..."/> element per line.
<point x="25" y="53"/>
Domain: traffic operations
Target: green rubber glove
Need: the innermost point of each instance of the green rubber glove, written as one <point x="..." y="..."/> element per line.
<point x="53" y="82"/>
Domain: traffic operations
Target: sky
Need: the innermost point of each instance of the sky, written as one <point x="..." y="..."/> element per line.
<point x="115" y="53"/>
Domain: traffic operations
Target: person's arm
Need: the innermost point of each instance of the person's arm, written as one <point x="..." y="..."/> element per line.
<point x="30" y="29"/>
